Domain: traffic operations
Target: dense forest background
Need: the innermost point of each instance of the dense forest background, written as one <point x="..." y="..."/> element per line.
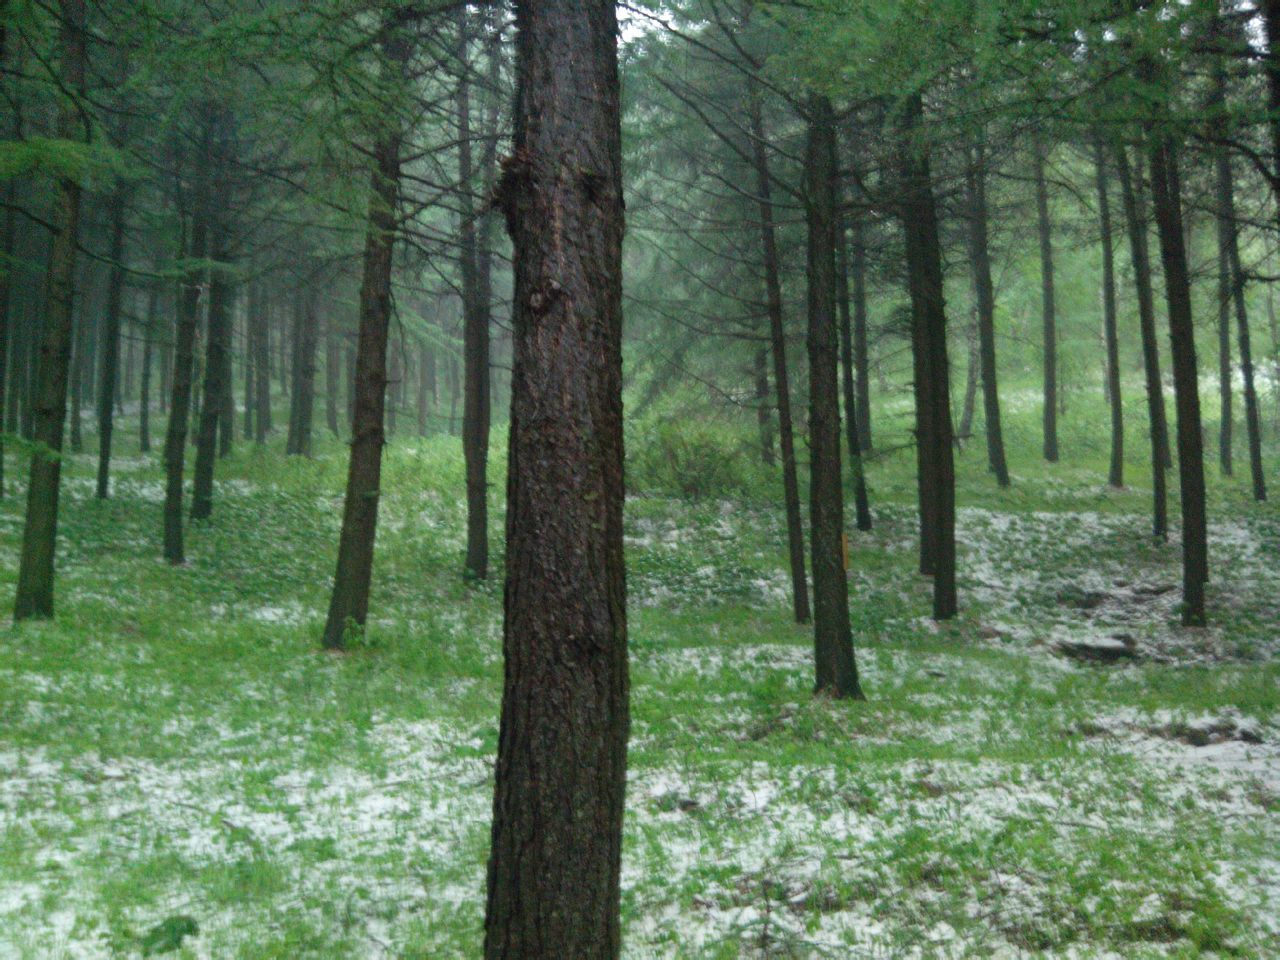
<point x="937" y="344"/>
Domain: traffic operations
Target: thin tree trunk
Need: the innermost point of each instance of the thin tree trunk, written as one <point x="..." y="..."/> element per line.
<point x="555" y="860"/>
<point x="261" y="332"/>
<point x="215" y="367"/>
<point x="302" y="407"/>
<point x="1166" y="195"/>
<point x="862" y="504"/>
<point x="6" y="339"/>
<point x="475" y="339"/>
<point x="1228" y="239"/>
<point x="1115" y="475"/>
<point x="778" y="347"/>
<point x="144" y="389"/>
<point x="764" y="418"/>
<point x="1136" y="222"/>
<point x="835" y="667"/>
<point x="929" y="347"/>
<point x="861" y="357"/>
<point x="108" y="372"/>
<point x="972" y="375"/>
<point x="984" y="294"/>
<point x="1226" y="233"/>
<point x="1049" y="308"/>
<point x="35" y="566"/>
<point x="349" y="603"/>
<point x="332" y="371"/>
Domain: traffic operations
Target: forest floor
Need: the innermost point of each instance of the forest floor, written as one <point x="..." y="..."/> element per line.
<point x="174" y="745"/>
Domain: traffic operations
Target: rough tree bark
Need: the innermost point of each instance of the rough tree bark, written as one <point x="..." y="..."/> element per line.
<point x="918" y="211"/>
<point x="49" y="401"/>
<point x="835" y="668"/>
<point x="1167" y="200"/>
<point x="778" y="348"/>
<point x="553" y="879"/>
<point x="349" y="602"/>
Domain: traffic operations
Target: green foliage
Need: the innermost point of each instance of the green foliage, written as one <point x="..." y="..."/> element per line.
<point x="686" y="457"/>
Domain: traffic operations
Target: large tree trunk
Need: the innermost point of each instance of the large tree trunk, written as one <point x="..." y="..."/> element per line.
<point x="110" y="357"/>
<point x="1049" y="308"/>
<point x="1115" y="475"/>
<point x="918" y="211"/>
<point x="984" y="294"/>
<point x="553" y="884"/>
<point x="35" y="566"/>
<point x="836" y="670"/>
<point x="349" y="602"/>
<point x="1166" y="196"/>
<point x="861" y="503"/>
<point x="475" y="339"/>
<point x="781" y="380"/>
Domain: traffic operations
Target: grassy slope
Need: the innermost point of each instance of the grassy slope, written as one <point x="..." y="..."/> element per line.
<point x="174" y="745"/>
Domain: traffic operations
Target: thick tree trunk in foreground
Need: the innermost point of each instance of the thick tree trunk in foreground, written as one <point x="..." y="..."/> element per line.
<point x="49" y="400"/>
<point x="109" y="369"/>
<point x="1115" y="474"/>
<point x="1166" y="196"/>
<point x="553" y="884"/>
<point x="1136" y="222"/>
<point x="919" y="214"/>
<point x="1049" y="308"/>
<point x="836" y="670"/>
<point x="984" y="293"/>
<point x="781" y="377"/>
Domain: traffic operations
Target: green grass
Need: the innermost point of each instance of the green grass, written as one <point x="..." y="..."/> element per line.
<point x="174" y="744"/>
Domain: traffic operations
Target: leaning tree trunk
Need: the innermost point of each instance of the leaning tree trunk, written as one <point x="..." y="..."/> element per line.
<point x="555" y="860"/>
<point x="1049" y="308"/>
<point x="1166" y="196"/>
<point x="836" y="670"/>
<point x="1115" y="475"/>
<point x="39" y="535"/>
<point x="1136" y="223"/>
<point x="349" y="602"/>
<point x="109" y="368"/>
<point x="918" y="211"/>
<point x="984" y="294"/>
<point x="778" y="345"/>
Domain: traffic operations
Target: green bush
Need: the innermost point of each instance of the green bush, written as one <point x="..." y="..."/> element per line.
<point x="688" y="458"/>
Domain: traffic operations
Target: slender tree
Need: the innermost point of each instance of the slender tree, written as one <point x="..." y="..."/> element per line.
<point x="1110" y="332"/>
<point x="1048" y="304"/>
<point x="49" y="397"/>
